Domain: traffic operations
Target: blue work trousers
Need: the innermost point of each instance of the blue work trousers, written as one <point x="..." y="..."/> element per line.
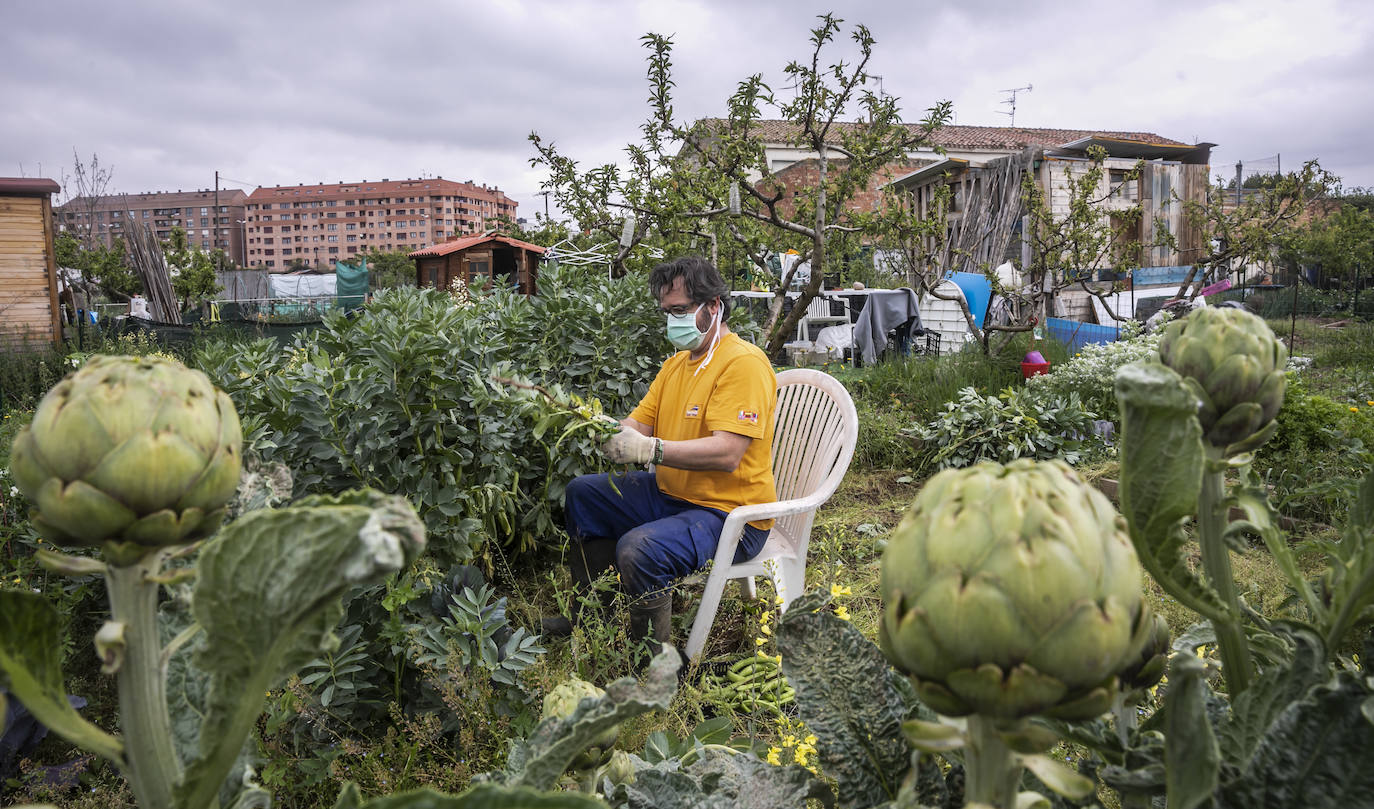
<point x="659" y="539"/>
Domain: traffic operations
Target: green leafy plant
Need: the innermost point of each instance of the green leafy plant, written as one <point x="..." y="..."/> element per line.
<point x="402" y="397"/>
<point x="1000" y="428"/>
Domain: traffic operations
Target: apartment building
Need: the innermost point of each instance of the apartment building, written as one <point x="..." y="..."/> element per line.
<point x="108" y="216"/>
<point x="294" y="226"/>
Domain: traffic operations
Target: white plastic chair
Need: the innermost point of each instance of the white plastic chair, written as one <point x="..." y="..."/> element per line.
<point x="818" y="313"/>
<point x="814" y="435"/>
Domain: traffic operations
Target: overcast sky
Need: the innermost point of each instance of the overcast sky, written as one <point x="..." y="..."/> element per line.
<point x="278" y="93"/>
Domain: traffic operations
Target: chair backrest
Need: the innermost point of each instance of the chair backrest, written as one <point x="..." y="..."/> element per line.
<point x="814" y="434"/>
<point x="818" y="307"/>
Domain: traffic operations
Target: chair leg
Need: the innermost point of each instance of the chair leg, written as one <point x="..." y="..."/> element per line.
<point x="706" y="613"/>
<point x="793" y="575"/>
<point x="748" y="588"/>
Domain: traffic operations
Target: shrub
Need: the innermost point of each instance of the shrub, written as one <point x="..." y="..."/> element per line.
<point x="1014" y="424"/>
<point x="401" y="397"/>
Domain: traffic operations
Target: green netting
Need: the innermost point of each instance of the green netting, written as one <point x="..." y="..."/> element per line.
<point x="351" y="284"/>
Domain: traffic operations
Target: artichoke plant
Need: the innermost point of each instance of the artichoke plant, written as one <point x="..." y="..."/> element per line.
<point x="131" y="452"/>
<point x="1012" y="591"/>
<point x="1233" y="362"/>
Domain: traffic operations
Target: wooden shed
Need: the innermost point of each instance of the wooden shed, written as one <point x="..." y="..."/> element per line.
<point x="481" y="260"/>
<point x="28" y="266"/>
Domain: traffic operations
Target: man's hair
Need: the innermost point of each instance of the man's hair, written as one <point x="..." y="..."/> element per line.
<point x="700" y="279"/>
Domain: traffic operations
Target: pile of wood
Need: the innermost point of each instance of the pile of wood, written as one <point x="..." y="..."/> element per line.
<point x="148" y="261"/>
<point x="992" y="206"/>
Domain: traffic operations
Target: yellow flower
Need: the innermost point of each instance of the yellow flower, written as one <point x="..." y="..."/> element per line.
<point x="811" y="740"/>
<point x="759" y="641"/>
<point x="842" y="613"/>
<point x="1371" y="404"/>
<point x="836" y="591"/>
<point x="800" y="756"/>
<point x="1354" y="409"/>
<point x="777" y="600"/>
<point x="773" y="757"/>
<point x="765" y="629"/>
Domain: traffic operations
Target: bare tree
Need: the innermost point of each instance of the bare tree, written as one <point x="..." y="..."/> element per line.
<point x="84" y="188"/>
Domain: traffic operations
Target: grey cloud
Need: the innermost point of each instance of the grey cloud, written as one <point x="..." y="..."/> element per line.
<point x="279" y="92"/>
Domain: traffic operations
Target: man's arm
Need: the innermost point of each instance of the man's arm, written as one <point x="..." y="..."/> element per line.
<point x="721" y="451"/>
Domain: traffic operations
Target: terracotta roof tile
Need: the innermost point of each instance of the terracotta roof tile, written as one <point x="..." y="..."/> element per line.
<point x="453" y="246"/>
<point x="968" y="137"/>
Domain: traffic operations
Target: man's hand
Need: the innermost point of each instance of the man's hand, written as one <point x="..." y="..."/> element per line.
<point x="629" y="446"/>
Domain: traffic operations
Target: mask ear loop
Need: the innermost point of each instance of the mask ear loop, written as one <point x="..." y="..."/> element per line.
<point x="715" y="339"/>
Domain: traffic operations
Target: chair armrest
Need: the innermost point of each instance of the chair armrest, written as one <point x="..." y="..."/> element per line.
<point x="733" y="529"/>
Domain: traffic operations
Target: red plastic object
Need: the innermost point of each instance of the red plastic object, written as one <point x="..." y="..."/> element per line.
<point x="1030" y="369"/>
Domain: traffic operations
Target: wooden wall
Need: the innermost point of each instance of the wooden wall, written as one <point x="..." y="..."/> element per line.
<point x="28" y="271"/>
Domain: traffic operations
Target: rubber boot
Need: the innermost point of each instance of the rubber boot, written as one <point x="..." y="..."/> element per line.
<point x="587" y="560"/>
<point x="651" y="619"/>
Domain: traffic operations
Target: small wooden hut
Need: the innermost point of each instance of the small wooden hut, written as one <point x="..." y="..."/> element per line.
<point x="28" y="266"/>
<point x="481" y="260"/>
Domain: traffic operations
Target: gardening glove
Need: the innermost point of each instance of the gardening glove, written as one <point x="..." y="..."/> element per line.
<point x="629" y="446"/>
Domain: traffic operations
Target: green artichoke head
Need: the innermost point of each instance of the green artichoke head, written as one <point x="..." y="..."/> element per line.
<point x="1011" y="591"/>
<point x="132" y="453"/>
<point x="562" y="702"/>
<point x="1234" y="363"/>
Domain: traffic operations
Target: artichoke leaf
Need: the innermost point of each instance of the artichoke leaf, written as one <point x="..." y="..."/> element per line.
<point x="1192" y="760"/>
<point x="933" y="737"/>
<point x="1060" y="779"/>
<point x="848" y="695"/>
<point x="539" y="760"/>
<point x="1314" y="754"/>
<point x="268" y="595"/>
<point x="1275" y="688"/>
<point x="1162" y="459"/>
<point x="482" y="796"/>
<point x="31" y="670"/>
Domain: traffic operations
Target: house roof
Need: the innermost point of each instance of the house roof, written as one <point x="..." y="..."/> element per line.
<point x="453" y="246"/>
<point x="938" y="167"/>
<point x="28" y="186"/>
<point x="1127" y="147"/>
<point x="955" y="136"/>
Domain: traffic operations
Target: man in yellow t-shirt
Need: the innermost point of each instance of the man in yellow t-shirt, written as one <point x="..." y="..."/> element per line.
<point x="706" y="425"/>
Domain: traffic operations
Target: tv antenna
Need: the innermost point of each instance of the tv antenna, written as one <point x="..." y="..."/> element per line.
<point x="1011" y="100"/>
